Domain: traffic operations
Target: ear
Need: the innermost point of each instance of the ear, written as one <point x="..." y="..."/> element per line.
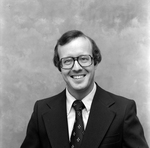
<point x="59" y="69"/>
<point x="96" y="65"/>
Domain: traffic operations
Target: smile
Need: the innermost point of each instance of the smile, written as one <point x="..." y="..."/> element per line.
<point x="78" y="77"/>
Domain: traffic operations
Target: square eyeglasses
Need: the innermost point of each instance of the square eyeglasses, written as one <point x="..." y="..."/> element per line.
<point x="83" y="60"/>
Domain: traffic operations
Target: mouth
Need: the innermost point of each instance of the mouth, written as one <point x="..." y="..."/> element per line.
<point x="78" y="76"/>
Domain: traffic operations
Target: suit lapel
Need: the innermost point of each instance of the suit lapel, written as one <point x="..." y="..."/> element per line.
<point x="100" y="119"/>
<point x="56" y="122"/>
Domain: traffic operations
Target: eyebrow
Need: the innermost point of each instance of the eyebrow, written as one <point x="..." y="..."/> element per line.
<point x="77" y="56"/>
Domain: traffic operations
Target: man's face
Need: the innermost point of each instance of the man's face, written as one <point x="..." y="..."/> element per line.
<point x="78" y="78"/>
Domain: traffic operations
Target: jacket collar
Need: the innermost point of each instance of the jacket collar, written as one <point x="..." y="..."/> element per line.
<point x="100" y="119"/>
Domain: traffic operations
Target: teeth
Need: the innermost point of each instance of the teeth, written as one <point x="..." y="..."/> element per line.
<point x="78" y="77"/>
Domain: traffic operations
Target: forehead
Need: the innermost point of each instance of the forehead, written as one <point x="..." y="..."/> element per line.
<point x="78" y="46"/>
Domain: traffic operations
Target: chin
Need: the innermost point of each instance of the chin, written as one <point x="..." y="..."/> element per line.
<point x="79" y="87"/>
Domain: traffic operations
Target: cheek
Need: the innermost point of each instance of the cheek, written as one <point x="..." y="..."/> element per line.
<point x="65" y="75"/>
<point x="91" y="75"/>
<point x="91" y="71"/>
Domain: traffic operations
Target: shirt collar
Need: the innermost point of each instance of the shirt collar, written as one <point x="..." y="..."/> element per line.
<point x="87" y="100"/>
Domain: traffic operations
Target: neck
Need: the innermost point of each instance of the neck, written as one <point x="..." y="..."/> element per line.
<point x="80" y="94"/>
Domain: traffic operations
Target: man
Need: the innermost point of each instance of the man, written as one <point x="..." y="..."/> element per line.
<point x="103" y="120"/>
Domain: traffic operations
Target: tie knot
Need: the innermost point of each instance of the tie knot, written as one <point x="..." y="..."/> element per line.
<point x="78" y="105"/>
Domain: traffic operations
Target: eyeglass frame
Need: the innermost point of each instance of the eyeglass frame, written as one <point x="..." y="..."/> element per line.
<point x="76" y="59"/>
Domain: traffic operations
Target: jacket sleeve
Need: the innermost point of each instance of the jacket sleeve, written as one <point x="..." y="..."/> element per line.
<point x="32" y="139"/>
<point x="133" y="136"/>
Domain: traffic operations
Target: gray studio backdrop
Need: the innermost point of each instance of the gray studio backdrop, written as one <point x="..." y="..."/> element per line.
<point x="29" y="31"/>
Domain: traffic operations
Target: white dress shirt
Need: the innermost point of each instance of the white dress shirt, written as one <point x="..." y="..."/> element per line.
<point x="85" y="112"/>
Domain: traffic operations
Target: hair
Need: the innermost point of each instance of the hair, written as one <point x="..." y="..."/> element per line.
<point x="67" y="38"/>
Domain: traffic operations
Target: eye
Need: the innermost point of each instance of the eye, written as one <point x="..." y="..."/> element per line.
<point x="84" y="59"/>
<point x="67" y="61"/>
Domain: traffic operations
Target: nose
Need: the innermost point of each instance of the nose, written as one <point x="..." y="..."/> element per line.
<point x="76" y="66"/>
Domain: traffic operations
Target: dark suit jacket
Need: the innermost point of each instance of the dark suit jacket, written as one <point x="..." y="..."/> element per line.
<point x="112" y="123"/>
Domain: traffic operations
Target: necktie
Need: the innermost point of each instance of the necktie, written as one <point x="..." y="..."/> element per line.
<point x="78" y="129"/>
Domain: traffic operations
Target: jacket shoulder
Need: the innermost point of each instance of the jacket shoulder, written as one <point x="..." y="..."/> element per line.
<point x="122" y="104"/>
<point x="44" y="104"/>
<point x="52" y="98"/>
<point x="117" y="101"/>
<point x="119" y="98"/>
